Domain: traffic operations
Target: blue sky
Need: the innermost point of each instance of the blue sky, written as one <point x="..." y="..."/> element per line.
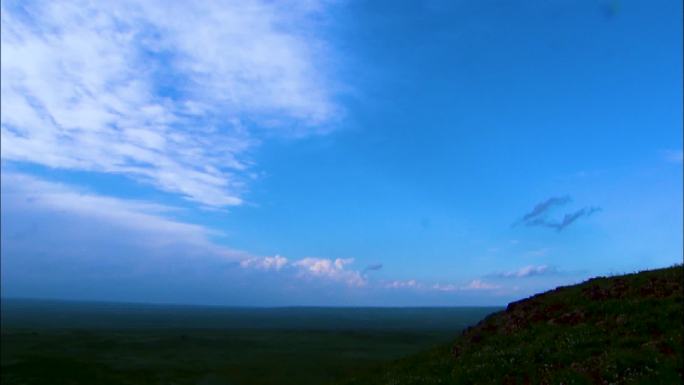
<point x="337" y="153"/>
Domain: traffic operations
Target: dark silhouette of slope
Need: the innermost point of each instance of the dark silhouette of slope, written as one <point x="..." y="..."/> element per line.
<point x="608" y="330"/>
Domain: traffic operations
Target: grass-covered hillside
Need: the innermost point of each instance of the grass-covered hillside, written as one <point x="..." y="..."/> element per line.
<point x="608" y="330"/>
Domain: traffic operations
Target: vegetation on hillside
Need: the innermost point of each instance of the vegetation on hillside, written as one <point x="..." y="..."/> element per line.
<point x="608" y="330"/>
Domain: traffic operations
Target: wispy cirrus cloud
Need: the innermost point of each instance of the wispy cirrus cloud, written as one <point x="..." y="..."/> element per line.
<point x="539" y="215"/>
<point x="173" y="94"/>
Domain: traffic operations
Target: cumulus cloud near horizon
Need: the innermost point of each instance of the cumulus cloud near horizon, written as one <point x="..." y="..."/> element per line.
<point x="330" y="269"/>
<point x="172" y="94"/>
<point x="529" y="271"/>
<point x="475" y="284"/>
<point x="403" y="284"/>
<point x="264" y="263"/>
<point x="327" y="269"/>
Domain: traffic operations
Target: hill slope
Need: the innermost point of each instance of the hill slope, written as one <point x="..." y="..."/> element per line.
<point x="608" y="330"/>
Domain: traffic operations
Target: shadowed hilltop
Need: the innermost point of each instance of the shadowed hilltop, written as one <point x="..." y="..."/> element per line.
<point x="608" y="330"/>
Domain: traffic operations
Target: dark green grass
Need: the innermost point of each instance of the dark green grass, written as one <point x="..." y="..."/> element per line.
<point x="215" y="345"/>
<point x="194" y="356"/>
<point x="616" y="330"/>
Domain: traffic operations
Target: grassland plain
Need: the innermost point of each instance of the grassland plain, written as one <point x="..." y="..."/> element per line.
<point x="49" y="342"/>
<point x="608" y="330"/>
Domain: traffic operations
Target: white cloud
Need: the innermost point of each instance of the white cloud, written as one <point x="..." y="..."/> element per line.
<point x="448" y="287"/>
<point x="528" y="271"/>
<point x="477" y="284"/>
<point x="407" y="284"/>
<point x="334" y="270"/>
<point x="445" y="287"/>
<point x="330" y="269"/>
<point x="264" y="263"/>
<point x="162" y="92"/>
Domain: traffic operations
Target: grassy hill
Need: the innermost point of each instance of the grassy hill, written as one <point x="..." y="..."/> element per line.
<point x="608" y="330"/>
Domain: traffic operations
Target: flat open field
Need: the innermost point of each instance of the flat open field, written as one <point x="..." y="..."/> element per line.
<point x="52" y="342"/>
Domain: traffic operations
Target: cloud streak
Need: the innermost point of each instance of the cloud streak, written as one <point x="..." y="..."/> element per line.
<point x="542" y="208"/>
<point x="374" y="267"/>
<point x="569" y="218"/>
<point x="539" y="215"/>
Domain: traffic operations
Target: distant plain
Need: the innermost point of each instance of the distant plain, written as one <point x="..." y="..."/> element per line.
<point x="60" y="342"/>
